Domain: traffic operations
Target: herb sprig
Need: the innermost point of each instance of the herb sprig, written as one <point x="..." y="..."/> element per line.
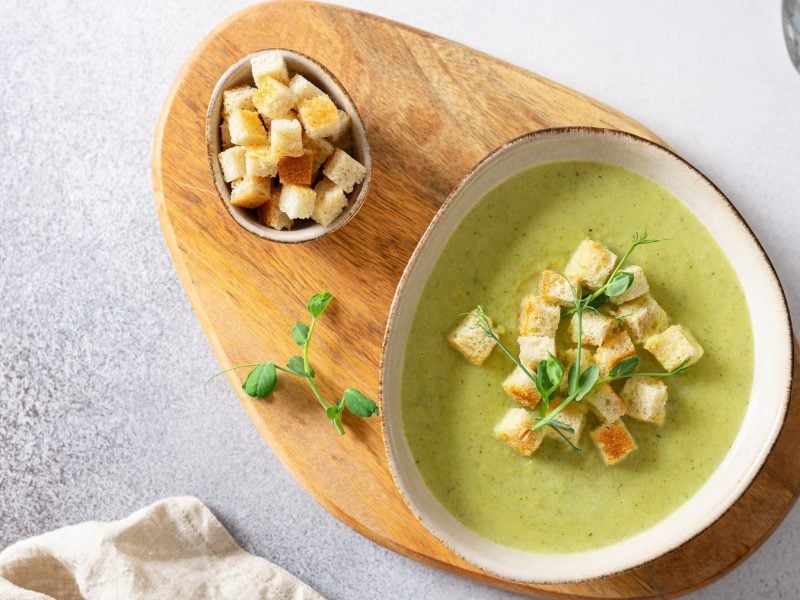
<point x="261" y="381"/>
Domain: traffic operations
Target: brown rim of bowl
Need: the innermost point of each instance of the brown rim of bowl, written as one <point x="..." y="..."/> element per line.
<point x="412" y="260"/>
<point x="353" y="206"/>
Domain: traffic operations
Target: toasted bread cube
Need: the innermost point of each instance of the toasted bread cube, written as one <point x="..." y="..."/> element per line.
<point x="590" y="265"/>
<point x="231" y="161"/>
<point x="286" y="137"/>
<point x="269" y="65"/>
<point x="617" y="347"/>
<point x="515" y="430"/>
<point x="341" y="137"/>
<point x="574" y="416"/>
<point x="344" y="170"/>
<point x="251" y="192"/>
<point x="554" y="288"/>
<point x="330" y="203"/>
<point x="638" y="288"/>
<point x="537" y="317"/>
<point x="533" y="349"/>
<point x="595" y="328"/>
<point x="225" y="135"/>
<point x="246" y="128"/>
<point x="471" y="341"/>
<point x="643" y="318"/>
<point x="614" y="441"/>
<point x="260" y="162"/>
<point x="322" y="149"/>
<point x="319" y="116"/>
<point x="568" y="357"/>
<point x="273" y="99"/>
<point x="520" y="387"/>
<point x="303" y="89"/>
<point x="646" y="399"/>
<point x="297" y="201"/>
<point x="271" y="215"/>
<point x="674" y="346"/>
<point x="605" y="403"/>
<point x="296" y="169"/>
<point x="238" y="98"/>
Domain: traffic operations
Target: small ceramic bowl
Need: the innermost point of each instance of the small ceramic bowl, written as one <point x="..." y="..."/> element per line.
<point x="240" y="74"/>
<point x="772" y="373"/>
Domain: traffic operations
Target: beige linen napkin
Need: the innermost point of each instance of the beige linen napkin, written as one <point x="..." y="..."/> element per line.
<point x="174" y="548"/>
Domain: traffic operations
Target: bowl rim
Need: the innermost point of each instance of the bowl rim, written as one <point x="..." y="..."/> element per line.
<point x="214" y="118"/>
<point x="756" y="468"/>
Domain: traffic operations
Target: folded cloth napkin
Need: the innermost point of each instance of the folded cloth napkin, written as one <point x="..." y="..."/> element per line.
<point x="174" y="548"/>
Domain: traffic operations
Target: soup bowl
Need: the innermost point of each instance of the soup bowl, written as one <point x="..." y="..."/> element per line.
<point x="772" y="351"/>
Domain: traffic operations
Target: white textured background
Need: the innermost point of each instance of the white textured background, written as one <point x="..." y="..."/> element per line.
<point x="100" y="355"/>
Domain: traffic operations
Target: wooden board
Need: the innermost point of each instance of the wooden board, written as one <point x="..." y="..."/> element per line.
<point x="432" y="109"/>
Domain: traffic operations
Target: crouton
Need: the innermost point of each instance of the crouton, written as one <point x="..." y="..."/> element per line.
<point x="269" y="65"/>
<point x="260" y="162"/>
<point x="520" y="387"/>
<point x="271" y="215"/>
<point x="297" y="201"/>
<point x="615" y="348"/>
<point x="590" y="265"/>
<point x="605" y="403"/>
<point x="515" y="430"/>
<point x="646" y="399"/>
<point x="225" y="135"/>
<point x="246" y="128"/>
<point x="231" y="161"/>
<point x="286" y="137"/>
<point x="238" y="98"/>
<point x="471" y="340"/>
<point x="303" y="89"/>
<point x="533" y="349"/>
<point x="554" y="288"/>
<point x="638" y="287"/>
<point x="273" y="99"/>
<point x="251" y="192"/>
<point x="537" y="317"/>
<point x="330" y="202"/>
<point x="614" y="441"/>
<point x="296" y="169"/>
<point x="595" y="328"/>
<point x="341" y="137"/>
<point x="643" y="318"/>
<point x="344" y="170"/>
<point x="574" y="416"/>
<point x="568" y="357"/>
<point x="322" y="149"/>
<point x="319" y="116"/>
<point x="674" y="346"/>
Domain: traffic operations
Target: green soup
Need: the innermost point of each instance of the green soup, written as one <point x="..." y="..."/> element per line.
<point x="556" y="501"/>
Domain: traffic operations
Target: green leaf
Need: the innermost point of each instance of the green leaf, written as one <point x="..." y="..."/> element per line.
<point x="555" y="370"/>
<point x="572" y="379"/>
<point x="619" y="284"/>
<point x="261" y="381"/>
<point x="297" y="366"/>
<point x="319" y="302"/>
<point x="300" y="333"/>
<point x="333" y="412"/>
<point x="586" y="381"/>
<point x="358" y="404"/>
<point x="624" y="367"/>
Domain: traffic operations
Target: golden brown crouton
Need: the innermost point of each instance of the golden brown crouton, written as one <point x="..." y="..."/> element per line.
<point x="330" y="203"/>
<point x="674" y="346"/>
<point x="554" y="288"/>
<point x="574" y="416"/>
<point x="296" y="169"/>
<point x="515" y="430"/>
<point x="231" y="161"/>
<point x="471" y="341"/>
<point x="638" y="287"/>
<point x="590" y="265"/>
<point x="537" y="317"/>
<point x="251" y="192"/>
<point x="594" y="327"/>
<point x="617" y="347"/>
<point x="246" y="128"/>
<point x="533" y="349"/>
<point x="646" y="399"/>
<point x="319" y="116"/>
<point x="273" y="99"/>
<point x="614" y="442"/>
<point x="605" y="403"/>
<point x="643" y="318"/>
<point x="520" y="387"/>
<point x="271" y="215"/>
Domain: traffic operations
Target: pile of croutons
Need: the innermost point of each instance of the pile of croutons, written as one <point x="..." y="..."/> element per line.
<point x="285" y="145"/>
<point x="634" y="319"/>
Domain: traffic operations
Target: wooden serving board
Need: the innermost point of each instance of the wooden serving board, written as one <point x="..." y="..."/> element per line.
<point x="432" y="109"/>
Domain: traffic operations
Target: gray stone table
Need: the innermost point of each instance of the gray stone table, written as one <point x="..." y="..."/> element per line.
<point x="101" y="411"/>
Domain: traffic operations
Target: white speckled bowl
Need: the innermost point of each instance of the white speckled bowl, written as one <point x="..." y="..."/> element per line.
<point x="240" y="74"/>
<point x="772" y="375"/>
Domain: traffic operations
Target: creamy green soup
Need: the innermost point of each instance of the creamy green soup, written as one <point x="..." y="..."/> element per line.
<point x="556" y="501"/>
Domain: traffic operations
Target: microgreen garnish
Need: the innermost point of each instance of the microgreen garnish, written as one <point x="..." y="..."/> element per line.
<point x="261" y="381"/>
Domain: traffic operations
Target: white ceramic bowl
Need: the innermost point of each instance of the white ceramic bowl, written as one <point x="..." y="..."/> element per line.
<point x="772" y="344"/>
<point x="241" y="74"/>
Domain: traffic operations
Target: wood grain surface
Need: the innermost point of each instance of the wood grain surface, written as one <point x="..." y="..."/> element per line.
<point x="432" y="109"/>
